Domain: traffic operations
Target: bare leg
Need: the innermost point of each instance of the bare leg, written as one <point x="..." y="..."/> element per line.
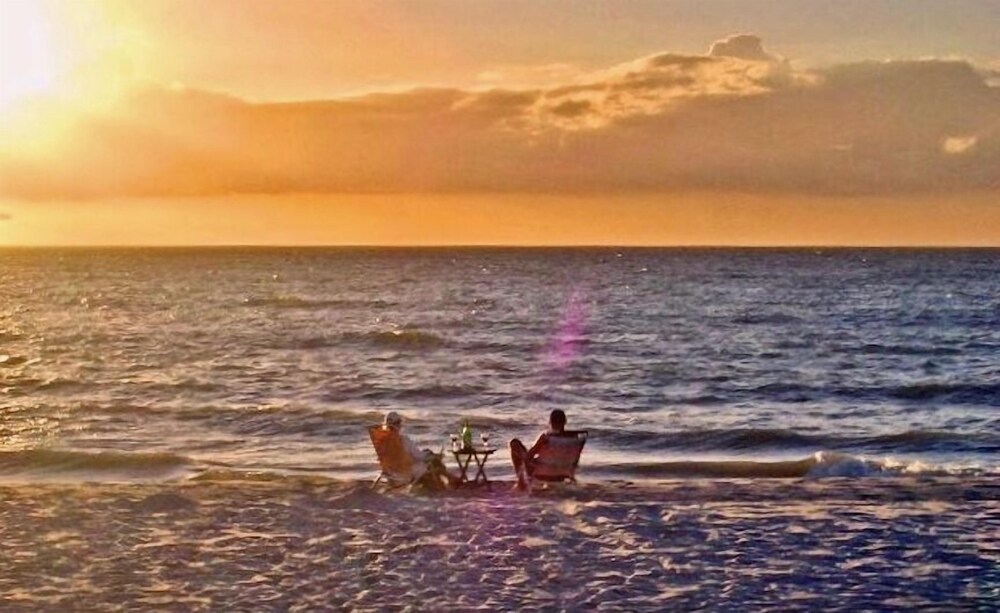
<point x="436" y="467"/>
<point x="519" y="457"/>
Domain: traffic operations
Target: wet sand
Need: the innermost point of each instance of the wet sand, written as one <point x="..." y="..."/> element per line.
<point x="305" y="545"/>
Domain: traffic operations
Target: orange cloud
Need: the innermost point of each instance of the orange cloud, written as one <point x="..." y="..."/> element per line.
<point x="744" y="46"/>
<point x="736" y="118"/>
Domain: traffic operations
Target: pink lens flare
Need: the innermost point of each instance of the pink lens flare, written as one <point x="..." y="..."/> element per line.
<point x="568" y="341"/>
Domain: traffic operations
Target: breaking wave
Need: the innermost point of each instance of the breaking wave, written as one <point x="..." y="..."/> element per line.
<point x="102" y="465"/>
<point x="821" y="465"/>
<point x="749" y="440"/>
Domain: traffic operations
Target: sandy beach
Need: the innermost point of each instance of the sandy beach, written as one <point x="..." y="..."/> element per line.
<point x="294" y="544"/>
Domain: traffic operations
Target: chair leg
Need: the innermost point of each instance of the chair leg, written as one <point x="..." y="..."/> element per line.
<point x="396" y="486"/>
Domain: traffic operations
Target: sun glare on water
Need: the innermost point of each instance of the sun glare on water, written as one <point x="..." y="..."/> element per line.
<point x="27" y="63"/>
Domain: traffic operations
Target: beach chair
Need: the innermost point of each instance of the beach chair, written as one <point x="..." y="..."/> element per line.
<point x="558" y="461"/>
<point x="395" y="463"/>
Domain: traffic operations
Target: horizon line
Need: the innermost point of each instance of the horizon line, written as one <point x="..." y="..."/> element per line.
<point x="508" y="246"/>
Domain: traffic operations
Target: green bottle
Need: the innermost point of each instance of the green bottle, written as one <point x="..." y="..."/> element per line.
<point x="466" y="436"/>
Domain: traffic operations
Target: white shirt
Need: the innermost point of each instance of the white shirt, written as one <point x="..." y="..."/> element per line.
<point x="418" y="455"/>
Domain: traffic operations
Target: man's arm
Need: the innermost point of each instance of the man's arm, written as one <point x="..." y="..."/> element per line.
<point x="543" y="440"/>
<point x="411" y="448"/>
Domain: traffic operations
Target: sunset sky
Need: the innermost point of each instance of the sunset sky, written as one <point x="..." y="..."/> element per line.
<point x="428" y="122"/>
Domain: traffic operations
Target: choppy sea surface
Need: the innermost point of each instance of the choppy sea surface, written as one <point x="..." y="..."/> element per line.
<point x="155" y="364"/>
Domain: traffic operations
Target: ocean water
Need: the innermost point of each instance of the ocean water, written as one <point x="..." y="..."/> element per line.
<point x="156" y="364"/>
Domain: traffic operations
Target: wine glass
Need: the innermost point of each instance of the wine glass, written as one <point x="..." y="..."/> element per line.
<point x="454" y="442"/>
<point x="486" y="439"/>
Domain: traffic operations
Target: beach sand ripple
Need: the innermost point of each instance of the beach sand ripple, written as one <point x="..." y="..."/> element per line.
<point x="305" y="545"/>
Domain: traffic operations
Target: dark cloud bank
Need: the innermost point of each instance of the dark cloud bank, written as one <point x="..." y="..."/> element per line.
<point x="737" y="118"/>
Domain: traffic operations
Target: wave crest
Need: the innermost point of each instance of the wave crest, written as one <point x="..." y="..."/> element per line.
<point x="397" y="339"/>
<point x="747" y="440"/>
<point x="821" y="465"/>
<point x="54" y="462"/>
<point x="298" y="302"/>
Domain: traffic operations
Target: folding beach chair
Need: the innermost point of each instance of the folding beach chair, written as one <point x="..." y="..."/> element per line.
<point x="559" y="458"/>
<point x="395" y="463"/>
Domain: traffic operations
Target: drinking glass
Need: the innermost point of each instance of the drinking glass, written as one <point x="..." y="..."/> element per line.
<point x="486" y="439"/>
<point x="454" y="442"/>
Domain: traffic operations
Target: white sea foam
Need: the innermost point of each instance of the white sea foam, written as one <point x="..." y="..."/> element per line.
<point x="833" y="464"/>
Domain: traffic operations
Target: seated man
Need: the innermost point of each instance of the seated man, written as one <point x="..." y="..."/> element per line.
<point x="428" y="468"/>
<point x="526" y="457"/>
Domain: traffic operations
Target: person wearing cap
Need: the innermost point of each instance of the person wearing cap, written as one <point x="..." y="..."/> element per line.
<point x="428" y="467"/>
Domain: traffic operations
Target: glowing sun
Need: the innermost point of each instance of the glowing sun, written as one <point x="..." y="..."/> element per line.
<point x="27" y="63"/>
